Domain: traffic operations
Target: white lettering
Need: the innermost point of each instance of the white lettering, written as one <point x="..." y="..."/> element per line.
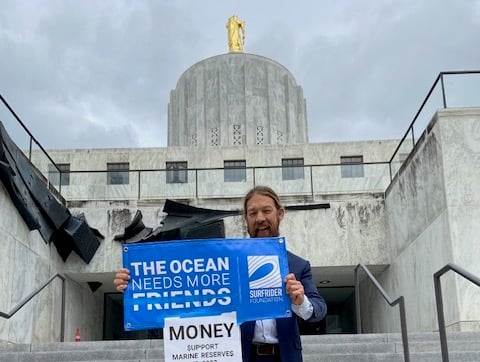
<point x="156" y="267"/>
<point x="199" y="298"/>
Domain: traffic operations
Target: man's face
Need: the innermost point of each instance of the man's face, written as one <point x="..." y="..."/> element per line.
<point x="262" y="217"/>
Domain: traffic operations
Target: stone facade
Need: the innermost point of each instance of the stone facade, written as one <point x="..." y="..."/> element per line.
<point x="236" y="99"/>
<point x="404" y="229"/>
<point x="432" y="211"/>
<point x="426" y="218"/>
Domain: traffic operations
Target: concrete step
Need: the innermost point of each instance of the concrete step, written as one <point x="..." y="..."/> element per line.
<point x="392" y="357"/>
<point x="141" y="350"/>
<point x="424" y="347"/>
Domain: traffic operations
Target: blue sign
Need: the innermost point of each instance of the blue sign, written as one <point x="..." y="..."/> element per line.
<point x="195" y="278"/>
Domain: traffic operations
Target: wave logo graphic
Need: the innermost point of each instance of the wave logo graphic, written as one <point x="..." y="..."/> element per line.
<point x="264" y="272"/>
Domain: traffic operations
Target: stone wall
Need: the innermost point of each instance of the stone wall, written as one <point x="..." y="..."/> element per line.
<point x="432" y="213"/>
<point x="28" y="262"/>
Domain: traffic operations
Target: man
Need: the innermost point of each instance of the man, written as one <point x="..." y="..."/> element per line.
<point x="279" y="339"/>
<point x="272" y="340"/>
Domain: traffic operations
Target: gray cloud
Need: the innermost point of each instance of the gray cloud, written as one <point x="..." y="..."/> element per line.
<point x="98" y="74"/>
<point x="371" y="81"/>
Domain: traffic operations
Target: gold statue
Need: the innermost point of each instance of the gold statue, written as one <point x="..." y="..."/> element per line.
<point x="236" y="34"/>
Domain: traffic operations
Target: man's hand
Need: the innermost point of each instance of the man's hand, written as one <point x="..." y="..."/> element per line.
<point x="294" y="289"/>
<point x="121" y="279"/>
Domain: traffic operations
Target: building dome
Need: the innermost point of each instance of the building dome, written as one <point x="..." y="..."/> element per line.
<point x="236" y="99"/>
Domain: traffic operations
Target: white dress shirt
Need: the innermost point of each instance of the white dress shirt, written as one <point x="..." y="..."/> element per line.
<point x="266" y="329"/>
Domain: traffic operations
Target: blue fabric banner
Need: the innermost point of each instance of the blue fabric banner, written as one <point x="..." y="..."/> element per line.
<point x="195" y="278"/>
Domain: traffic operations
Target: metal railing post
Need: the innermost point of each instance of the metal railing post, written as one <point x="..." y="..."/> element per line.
<point x="139" y="194"/>
<point x="311" y="180"/>
<point x="441" y="319"/>
<point x="196" y="184"/>
<point x="62" y="321"/>
<point x="400" y="301"/>
<point x="439" y="301"/>
<point x="444" y="97"/>
<point x="403" y="327"/>
<point x="30" y="148"/>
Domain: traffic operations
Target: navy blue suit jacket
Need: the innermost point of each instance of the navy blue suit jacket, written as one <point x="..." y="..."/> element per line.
<point x="287" y="328"/>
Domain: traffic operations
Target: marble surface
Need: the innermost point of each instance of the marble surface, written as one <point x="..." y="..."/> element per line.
<point x="428" y="217"/>
<point x="432" y="213"/>
<point x="230" y="97"/>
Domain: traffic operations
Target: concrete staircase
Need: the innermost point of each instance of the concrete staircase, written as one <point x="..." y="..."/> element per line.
<point x="424" y="347"/>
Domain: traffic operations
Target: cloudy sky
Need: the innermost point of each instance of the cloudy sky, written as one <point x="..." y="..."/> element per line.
<point x="97" y="73"/>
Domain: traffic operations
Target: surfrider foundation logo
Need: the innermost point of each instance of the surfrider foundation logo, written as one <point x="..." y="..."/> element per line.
<point x="264" y="272"/>
<point x="265" y="280"/>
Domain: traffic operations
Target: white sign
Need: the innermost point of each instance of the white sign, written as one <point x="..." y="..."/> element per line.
<point x="203" y="339"/>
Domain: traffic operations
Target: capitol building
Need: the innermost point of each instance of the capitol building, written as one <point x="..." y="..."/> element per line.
<point x="403" y="208"/>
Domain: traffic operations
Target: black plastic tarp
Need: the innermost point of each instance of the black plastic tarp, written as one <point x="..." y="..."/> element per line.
<point x="39" y="207"/>
<point x="182" y="222"/>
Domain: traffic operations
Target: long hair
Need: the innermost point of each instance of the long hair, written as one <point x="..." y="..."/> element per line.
<point x="262" y="190"/>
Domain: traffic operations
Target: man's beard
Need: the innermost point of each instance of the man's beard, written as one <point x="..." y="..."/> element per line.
<point x="273" y="231"/>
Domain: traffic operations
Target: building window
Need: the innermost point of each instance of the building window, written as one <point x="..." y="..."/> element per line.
<point x="292" y="169"/>
<point x="352" y="166"/>
<point x="279" y="137"/>
<point x="193" y="140"/>
<point x="214" y="137"/>
<point x="59" y="175"/>
<point x="237" y="135"/>
<point x="177" y="172"/>
<point x="235" y="171"/>
<point x="118" y="173"/>
<point x="260" y="139"/>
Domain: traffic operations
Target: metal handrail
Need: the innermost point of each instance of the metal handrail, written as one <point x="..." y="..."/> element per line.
<point x="439" y="78"/>
<point x="400" y="301"/>
<point x="311" y="187"/>
<point x="32" y="138"/>
<point x="439" y="300"/>
<point x="33" y="294"/>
